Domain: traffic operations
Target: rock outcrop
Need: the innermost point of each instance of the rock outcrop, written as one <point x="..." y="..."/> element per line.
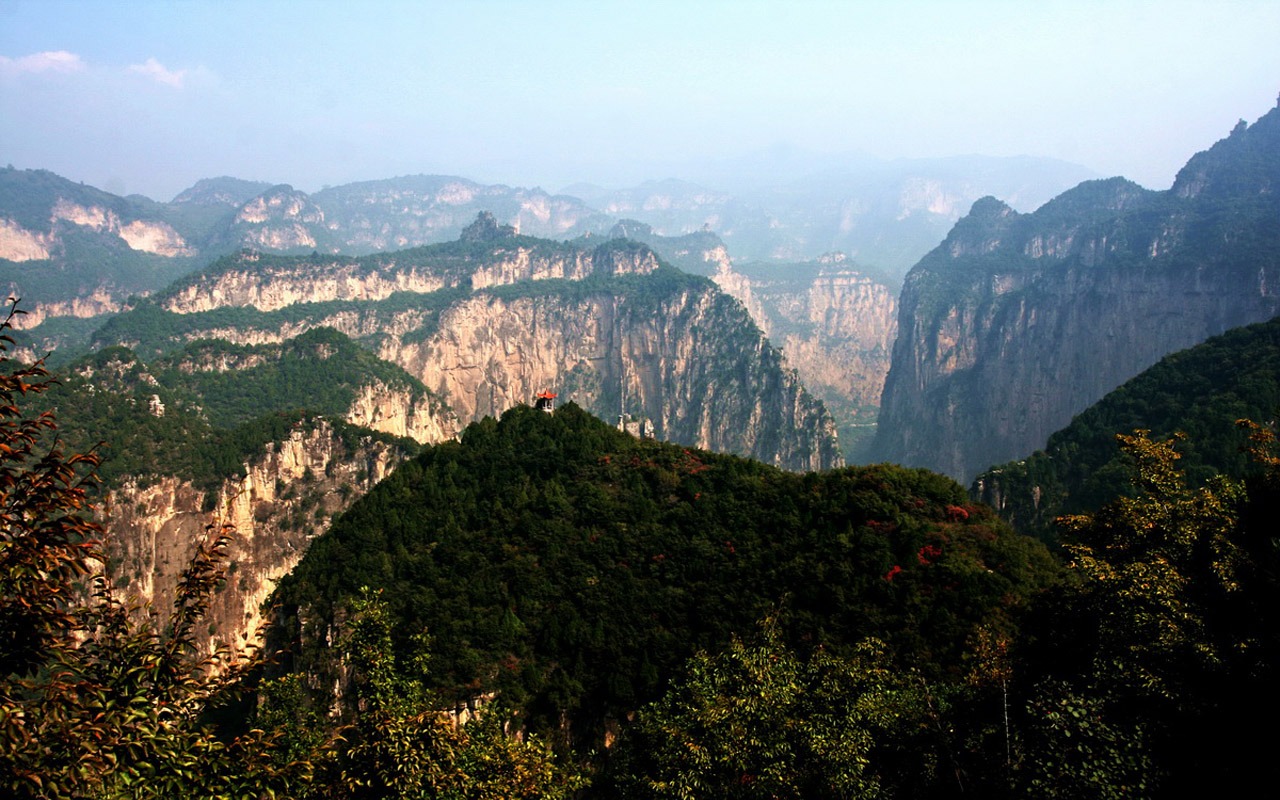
<point x="287" y="497"/>
<point x="690" y="361"/>
<point x="836" y="326"/>
<point x="834" y="323"/>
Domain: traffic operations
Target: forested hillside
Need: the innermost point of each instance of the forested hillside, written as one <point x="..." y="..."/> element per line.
<point x="671" y="621"/>
<point x="1200" y="392"/>
<point x="572" y="568"/>
<point x="200" y="414"/>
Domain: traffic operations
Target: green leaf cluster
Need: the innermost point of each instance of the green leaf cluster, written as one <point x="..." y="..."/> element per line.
<point x="1146" y="674"/>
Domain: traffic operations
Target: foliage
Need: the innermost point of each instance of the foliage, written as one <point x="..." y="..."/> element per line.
<point x="1143" y="668"/>
<point x="756" y="720"/>
<point x="45" y="544"/>
<point x="573" y="569"/>
<point x="320" y="371"/>
<point x="213" y="422"/>
<point x="1077" y="749"/>
<point x="402" y="746"/>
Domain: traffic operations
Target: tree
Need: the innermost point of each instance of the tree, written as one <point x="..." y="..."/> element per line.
<point x="1149" y="661"/>
<point x="402" y="745"/>
<point x="757" y="721"/>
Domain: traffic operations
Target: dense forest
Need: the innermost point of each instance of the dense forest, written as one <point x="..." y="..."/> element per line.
<point x="590" y="564"/>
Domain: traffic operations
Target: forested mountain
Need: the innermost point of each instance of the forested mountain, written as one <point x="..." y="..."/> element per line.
<point x="1200" y="392"/>
<point x="215" y="385"/>
<point x="79" y="250"/>
<point x="275" y="440"/>
<point x="106" y="249"/>
<point x="76" y="251"/>
<point x="864" y="631"/>
<point x="572" y="568"/>
<point x="1017" y="322"/>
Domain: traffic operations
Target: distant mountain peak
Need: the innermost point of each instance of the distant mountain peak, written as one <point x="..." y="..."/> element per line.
<point x="486" y="229"/>
<point x="630" y="229"/>
<point x="1247" y="162"/>
<point x="224" y="190"/>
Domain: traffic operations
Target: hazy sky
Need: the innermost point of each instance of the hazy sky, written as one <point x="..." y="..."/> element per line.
<point x="149" y="97"/>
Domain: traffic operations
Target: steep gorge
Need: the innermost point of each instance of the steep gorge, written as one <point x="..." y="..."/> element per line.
<point x="833" y="322"/>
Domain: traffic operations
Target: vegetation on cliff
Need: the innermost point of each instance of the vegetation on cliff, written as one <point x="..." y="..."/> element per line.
<point x="184" y="417"/>
<point x="99" y="698"/>
<point x="1149" y="673"/>
<point x="1199" y="392"/>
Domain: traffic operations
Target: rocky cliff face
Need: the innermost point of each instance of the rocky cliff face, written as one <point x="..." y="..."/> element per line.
<point x="617" y="332"/>
<point x="243" y="281"/>
<point x="376" y="216"/>
<point x="836" y="326"/>
<point x="249" y="279"/>
<point x="286" y="498"/>
<point x="690" y="362"/>
<point x="70" y="250"/>
<point x="281" y="219"/>
<point x="1015" y="323"/>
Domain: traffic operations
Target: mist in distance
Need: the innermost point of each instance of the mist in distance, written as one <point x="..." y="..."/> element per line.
<point x="150" y="97"/>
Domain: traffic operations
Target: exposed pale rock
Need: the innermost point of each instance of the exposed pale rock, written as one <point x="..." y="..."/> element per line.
<point x="148" y="237"/>
<point x="19" y="244"/>
<point x="287" y="498"/>
<point x="99" y="301"/>
<point x="155" y="237"/>
<point x="268" y="290"/>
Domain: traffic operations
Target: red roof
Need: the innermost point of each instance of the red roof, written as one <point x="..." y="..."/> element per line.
<point x="547" y="395"/>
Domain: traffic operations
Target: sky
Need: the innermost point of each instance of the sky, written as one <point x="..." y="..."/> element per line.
<point x="149" y="97"/>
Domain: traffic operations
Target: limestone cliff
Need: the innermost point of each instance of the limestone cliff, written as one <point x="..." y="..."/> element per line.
<point x="393" y="214"/>
<point x="607" y="325"/>
<point x="268" y="283"/>
<point x="286" y="498"/>
<point x="69" y="250"/>
<point x="690" y="361"/>
<point x="836" y="326"/>
<point x="281" y="219"/>
<point x="1015" y="323"/>
<point x="834" y="322"/>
